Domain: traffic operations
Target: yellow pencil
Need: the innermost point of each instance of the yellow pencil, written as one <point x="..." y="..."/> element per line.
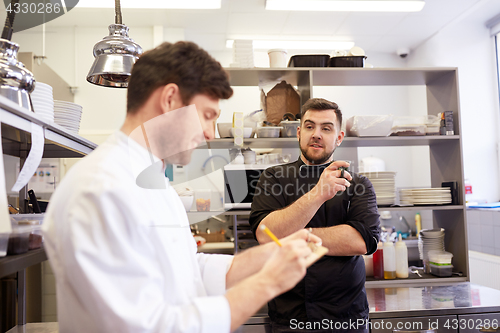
<point x="270" y="234"/>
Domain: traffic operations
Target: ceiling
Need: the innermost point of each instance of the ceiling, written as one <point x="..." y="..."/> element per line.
<point x="376" y="32"/>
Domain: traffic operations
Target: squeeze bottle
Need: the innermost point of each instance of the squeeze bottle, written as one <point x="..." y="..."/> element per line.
<point x="378" y="262"/>
<point x="401" y="259"/>
<point x="418" y="223"/>
<point x="389" y="261"/>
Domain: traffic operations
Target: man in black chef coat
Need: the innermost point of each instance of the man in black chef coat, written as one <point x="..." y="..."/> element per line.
<point x="340" y="207"/>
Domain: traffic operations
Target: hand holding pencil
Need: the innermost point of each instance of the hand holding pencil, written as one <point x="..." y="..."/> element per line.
<point x="313" y="242"/>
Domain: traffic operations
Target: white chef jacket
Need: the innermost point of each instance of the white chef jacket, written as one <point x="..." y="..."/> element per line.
<point x="124" y="257"/>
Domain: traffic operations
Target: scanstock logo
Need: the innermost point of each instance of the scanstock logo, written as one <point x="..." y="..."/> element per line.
<point x="32" y="13"/>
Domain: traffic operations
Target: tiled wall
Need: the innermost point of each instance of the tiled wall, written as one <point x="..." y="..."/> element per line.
<point x="483" y="230"/>
<point x="49" y="304"/>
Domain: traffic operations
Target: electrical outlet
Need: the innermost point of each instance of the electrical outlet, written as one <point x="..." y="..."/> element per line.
<point x="178" y="169"/>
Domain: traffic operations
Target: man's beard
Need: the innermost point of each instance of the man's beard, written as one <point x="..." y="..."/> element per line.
<point x="319" y="160"/>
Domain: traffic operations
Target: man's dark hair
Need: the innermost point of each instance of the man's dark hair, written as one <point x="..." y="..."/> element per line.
<point x="321" y="104"/>
<point x="183" y="63"/>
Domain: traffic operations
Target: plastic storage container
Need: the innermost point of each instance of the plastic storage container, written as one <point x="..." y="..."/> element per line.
<point x="19" y="239"/>
<point x="369" y="125"/>
<point x="309" y="60"/>
<point x="26" y="234"/>
<point x="269" y="131"/>
<point x="351" y="61"/>
<point x="440" y="257"/>
<point x="289" y="128"/>
<point x="409" y="126"/>
<point x="203" y="198"/>
<point x="442" y="271"/>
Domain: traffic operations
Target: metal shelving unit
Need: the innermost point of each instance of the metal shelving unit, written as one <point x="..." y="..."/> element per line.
<point x="348" y="142"/>
<point x="445" y="152"/>
<point x="16" y="124"/>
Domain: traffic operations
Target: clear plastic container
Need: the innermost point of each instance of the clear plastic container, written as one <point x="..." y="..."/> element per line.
<point x="440" y="257"/>
<point x="408" y="130"/>
<point x="443" y="270"/>
<point x="432" y="129"/>
<point x="19" y="239"/>
<point x="26" y="223"/>
<point x="289" y="128"/>
<point x="203" y="198"/>
<point x="269" y="131"/>
<point x="369" y="125"/>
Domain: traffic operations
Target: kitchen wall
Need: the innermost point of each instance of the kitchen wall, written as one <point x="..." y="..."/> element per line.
<point x="467" y="44"/>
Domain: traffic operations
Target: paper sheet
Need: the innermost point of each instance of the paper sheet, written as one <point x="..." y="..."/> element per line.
<point x="5" y="226"/>
<point x="34" y="157"/>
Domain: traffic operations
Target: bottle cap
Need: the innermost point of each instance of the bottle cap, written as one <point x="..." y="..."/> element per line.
<point x="388" y="244"/>
<point x="400" y="242"/>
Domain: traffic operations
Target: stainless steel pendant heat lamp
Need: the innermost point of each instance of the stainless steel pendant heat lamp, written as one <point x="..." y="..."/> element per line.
<point x="16" y="82"/>
<point x="114" y="55"/>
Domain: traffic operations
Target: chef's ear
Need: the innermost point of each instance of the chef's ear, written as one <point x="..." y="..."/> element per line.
<point x="170" y="98"/>
<point x="340" y="138"/>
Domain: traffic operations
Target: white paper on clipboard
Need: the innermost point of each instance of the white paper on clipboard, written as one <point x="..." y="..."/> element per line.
<point x="5" y="226"/>
<point x="34" y="157"/>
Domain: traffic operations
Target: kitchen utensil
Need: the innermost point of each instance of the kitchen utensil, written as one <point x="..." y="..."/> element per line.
<point x="16" y="82"/>
<point x="34" y="202"/>
<point x="289" y="128"/>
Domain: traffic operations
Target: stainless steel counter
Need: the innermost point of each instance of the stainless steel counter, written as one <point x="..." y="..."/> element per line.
<point x="457" y="298"/>
<point x="35" y="328"/>
<point x="419" y="301"/>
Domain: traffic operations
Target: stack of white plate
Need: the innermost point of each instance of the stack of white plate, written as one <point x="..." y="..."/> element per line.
<point x="429" y="240"/>
<point x="384" y="184"/>
<point x="425" y="196"/>
<point x="68" y="115"/>
<point x="43" y="101"/>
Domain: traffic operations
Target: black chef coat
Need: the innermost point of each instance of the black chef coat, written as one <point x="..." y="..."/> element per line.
<point x="334" y="287"/>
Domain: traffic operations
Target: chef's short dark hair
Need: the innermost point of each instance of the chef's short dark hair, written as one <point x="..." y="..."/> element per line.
<point x="321" y="104"/>
<point x="187" y="65"/>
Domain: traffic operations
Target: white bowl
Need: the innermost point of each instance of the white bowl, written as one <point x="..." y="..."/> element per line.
<point x="187" y="201"/>
<point x="247" y="132"/>
<point x="224" y="129"/>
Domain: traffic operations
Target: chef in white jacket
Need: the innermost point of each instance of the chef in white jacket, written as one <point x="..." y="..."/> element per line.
<point x="118" y="238"/>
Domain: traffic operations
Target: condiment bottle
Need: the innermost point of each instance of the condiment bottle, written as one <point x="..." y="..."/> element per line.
<point x="378" y="262"/>
<point x="401" y="259"/>
<point x="418" y="223"/>
<point x="389" y="261"/>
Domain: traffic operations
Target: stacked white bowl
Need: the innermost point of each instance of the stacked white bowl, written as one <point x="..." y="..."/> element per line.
<point x="68" y="115"/>
<point x="430" y="240"/>
<point x="43" y="101"/>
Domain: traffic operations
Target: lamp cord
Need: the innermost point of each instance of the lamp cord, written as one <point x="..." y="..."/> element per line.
<point x="118" y="12"/>
<point x="9" y="22"/>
